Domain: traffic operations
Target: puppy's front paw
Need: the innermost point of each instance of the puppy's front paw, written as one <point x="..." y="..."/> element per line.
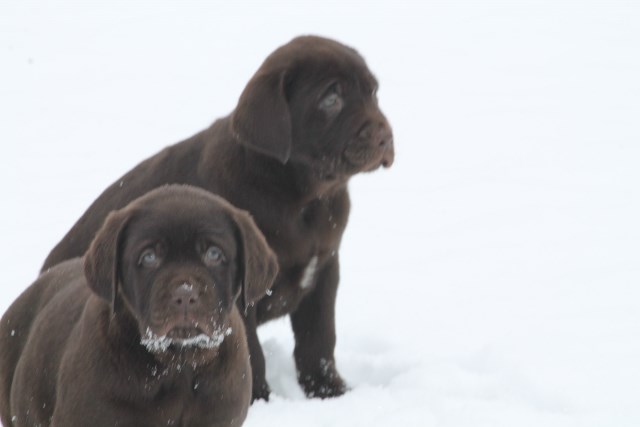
<point x="324" y="382"/>
<point x="260" y="391"/>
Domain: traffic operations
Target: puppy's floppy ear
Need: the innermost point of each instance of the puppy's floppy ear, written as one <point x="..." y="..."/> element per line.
<point x="101" y="262"/>
<point x="258" y="263"/>
<point x="262" y="120"/>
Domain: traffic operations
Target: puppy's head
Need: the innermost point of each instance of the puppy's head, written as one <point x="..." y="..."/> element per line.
<point x="177" y="259"/>
<point x="313" y="102"/>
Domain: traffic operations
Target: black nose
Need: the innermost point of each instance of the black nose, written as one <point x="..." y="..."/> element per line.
<point x="185" y="296"/>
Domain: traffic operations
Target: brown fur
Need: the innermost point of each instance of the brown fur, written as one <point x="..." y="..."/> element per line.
<point x="306" y="122"/>
<point x="174" y="262"/>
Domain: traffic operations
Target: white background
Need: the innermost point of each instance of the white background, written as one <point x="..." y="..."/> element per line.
<point x="490" y="278"/>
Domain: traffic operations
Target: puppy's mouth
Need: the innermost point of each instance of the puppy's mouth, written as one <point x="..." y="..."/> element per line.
<point x="180" y="338"/>
<point x="362" y="156"/>
<point x="184" y="333"/>
<point x="375" y="165"/>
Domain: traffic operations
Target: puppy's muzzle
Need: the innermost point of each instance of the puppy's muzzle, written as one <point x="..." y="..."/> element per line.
<point x="184" y="306"/>
<point x="381" y="142"/>
<point x="186" y="303"/>
<point x="187" y="319"/>
<point x="384" y="138"/>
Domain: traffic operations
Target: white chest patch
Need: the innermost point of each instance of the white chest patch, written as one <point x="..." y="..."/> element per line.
<point x="309" y="273"/>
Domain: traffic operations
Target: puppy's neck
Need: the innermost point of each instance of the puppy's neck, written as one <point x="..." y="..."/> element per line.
<point x="298" y="181"/>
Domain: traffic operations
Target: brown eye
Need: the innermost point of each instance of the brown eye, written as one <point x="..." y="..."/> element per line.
<point x="149" y="259"/>
<point x="213" y="256"/>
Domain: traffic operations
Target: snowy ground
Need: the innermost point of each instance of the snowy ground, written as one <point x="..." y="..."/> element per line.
<point x="490" y="278"/>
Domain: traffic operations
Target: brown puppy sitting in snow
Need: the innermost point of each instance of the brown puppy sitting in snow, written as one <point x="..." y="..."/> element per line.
<point x="306" y="122"/>
<point x="144" y="330"/>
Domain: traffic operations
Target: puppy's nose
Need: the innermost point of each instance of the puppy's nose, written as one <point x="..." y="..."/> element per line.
<point x="384" y="138"/>
<point x="185" y="296"/>
<point x="380" y="139"/>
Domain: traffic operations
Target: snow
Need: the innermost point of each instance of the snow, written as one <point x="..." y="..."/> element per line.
<point x="160" y="343"/>
<point x="489" y="278"/>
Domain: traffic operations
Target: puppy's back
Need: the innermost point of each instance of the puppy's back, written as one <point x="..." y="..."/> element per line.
<point x="16" y="324"/>
<point x="164" y="167"/>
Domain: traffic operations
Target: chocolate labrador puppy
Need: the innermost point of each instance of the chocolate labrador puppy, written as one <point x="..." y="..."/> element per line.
<point x="306" y="122"/>
<point x="144" y="330"/>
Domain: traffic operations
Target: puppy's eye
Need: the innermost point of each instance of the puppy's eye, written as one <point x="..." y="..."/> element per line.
<point x="213" y="256"/>
<point x="332" y="100"/>
<point x="149" y="259"/>
<point x="329" y="101"/>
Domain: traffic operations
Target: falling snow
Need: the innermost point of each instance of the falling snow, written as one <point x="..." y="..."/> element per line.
<point x="489" y="278"/>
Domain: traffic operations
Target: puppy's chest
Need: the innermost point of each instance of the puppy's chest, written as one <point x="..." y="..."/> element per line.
<point x="304" y="242"/>
<point x="309" y="237"/>
<point x="185" y="399"/>
<point x="322" y="220"/>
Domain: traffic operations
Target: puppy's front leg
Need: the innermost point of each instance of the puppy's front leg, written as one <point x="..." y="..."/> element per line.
<point x="314" y="328"/>
<point x="260" y="388"/>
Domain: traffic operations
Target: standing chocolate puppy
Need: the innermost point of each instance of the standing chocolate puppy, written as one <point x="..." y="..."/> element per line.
<point x="306" y="122"/>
